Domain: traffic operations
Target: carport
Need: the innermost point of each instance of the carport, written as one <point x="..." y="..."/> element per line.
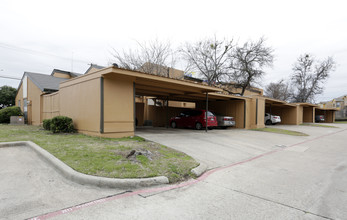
<point x="308" y="112"/>
<point x="329" y="114"/>
<point x="287" y="112"/>
<point x="123" y="89"/>
<point x="113" y="99"/>
<point x="204" y="98"/>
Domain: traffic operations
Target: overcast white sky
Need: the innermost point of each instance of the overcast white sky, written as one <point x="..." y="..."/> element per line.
<point x="39" y="36"/>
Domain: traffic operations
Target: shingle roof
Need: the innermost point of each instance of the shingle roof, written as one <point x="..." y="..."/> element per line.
<point x="45" y="82"/>
<point x="94" y="66"/>
<point x="66" y="72"/>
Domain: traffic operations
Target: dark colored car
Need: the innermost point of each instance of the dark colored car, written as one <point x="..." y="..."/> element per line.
<point x="194" y="119"/>
<point x="319" y="118"/>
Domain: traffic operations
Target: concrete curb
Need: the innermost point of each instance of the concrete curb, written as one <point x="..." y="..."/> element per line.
<point x="85" y="179"/>
<point x="199" y="170"/>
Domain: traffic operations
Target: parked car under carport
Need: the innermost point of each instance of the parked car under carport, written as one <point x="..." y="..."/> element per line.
<point x="195" y="118"/>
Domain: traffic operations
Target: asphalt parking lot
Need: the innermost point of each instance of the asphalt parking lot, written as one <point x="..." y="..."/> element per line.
<point x="252" y="176"/>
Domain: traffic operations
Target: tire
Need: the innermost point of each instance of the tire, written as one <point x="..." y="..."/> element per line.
<point x="173" y="125"/>
<point x="198" y="126"/>
<point x="268" y="122"/>
<point x="224" y="127"/>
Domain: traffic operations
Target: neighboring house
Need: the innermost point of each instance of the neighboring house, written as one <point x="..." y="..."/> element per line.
<point x="93" y="68"/>
<point x="340" y="104"/>
<point x="161" y="70"/>
<point x="32" y="88"/>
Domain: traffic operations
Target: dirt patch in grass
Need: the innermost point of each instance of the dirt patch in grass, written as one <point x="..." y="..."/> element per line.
<point x="281" y="131"/>
<point x="106" y="157"/>
<point x="319" y="125"/>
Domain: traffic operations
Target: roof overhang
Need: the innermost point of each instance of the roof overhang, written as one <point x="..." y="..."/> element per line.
<point x="327" y="109"/>
<point x="306" y="104"/>
<point x="277" y="102"/>
<point x="164" y="87"/>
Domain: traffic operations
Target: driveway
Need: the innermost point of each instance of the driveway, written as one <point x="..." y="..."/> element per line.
<point x="305" y="180"/>
<point x="220" y="147"/>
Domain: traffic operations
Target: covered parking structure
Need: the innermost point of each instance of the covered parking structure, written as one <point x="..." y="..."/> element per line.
<point x="287" y="111"/>
<point x="103" y="103"/>
<point x="307" y="111"/>
<point x="169" y="90"/>
<point x="329" y="114"/>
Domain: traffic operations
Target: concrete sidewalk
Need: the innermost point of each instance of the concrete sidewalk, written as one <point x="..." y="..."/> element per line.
<point x="305" y="181"/>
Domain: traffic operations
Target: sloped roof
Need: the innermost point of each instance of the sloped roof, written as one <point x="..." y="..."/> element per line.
<point x="72" y="74"/>
<point x="45" y="82"/>
<point x="94" y="66"/>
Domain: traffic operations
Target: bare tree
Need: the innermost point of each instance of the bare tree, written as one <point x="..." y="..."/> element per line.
<point x="308" y="77"/>
<point x="279" y="90"/>
<point x="208" y="57"/>
<point x="153" y="57"/>
<point x="247" y="63"/>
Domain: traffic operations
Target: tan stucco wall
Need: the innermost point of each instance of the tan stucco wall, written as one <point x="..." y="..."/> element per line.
<point x="234" y="108"/>
<point x="19" y="97"/>
<point x="308" y="114"/>
<point x="181" y="104"/>
<point x="118" y="105"/>
<point x="61" y="75"/>
<point x="288" y="114"/>
<point x="35" y="106"/>
<point x="300" y="114"/>
<point x="51" y="105"/>
<point x="158" y="115"/>
<point x="259" y="122"/>
<point x="80" y="100"/>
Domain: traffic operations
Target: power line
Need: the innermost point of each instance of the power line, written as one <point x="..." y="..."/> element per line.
<point x="10" y="77"/>
<point x="35" y="52"/>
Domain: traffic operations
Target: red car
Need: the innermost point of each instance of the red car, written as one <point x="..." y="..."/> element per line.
<point x="194" y="119"/>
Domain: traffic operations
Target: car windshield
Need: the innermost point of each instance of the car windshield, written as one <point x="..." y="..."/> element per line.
<point x="210" y="114"/>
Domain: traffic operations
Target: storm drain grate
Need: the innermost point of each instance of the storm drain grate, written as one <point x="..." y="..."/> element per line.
<point x="280" y="146"/>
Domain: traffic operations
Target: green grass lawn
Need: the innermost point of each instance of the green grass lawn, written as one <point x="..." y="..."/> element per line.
<point x="280" y="131"/>
<point x="340" y="122"/>
<point x="319" y="125"/>
<point x="106" y="156"/>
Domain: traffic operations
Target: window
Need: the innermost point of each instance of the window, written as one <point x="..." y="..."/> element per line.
<point x="19" y="103"/>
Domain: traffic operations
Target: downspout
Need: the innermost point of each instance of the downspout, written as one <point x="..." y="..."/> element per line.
<point x="101" y="105"/>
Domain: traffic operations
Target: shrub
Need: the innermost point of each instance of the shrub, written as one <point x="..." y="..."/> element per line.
<point x="6" y="113"/>
<point x="47" y="124"/>
<point x="62" y="124"/>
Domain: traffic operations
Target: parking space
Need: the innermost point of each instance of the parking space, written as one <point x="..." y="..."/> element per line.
<point x="287" y="112"/>
<point x="218" y="147"/>
<point x="329" y="115"/>
<point x="29" y="186"/>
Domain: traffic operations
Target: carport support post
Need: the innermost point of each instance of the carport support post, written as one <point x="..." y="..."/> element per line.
<point x="134" y="110"/>
<point x="167" y="111"/>
<point x="206" y="111"/>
